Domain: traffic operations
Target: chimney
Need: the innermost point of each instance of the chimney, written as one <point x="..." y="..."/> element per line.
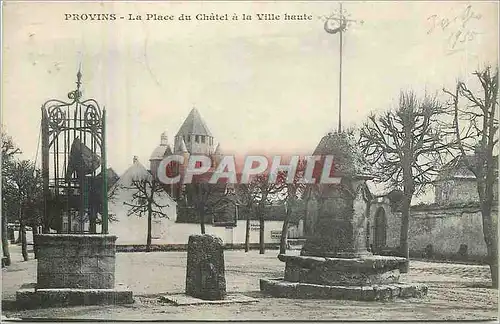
<point x="136" y="159"/>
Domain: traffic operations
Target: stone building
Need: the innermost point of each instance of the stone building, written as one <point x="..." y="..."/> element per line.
<point x="449" y="227"/>
<point x="455" y="183"/>
<point x="193" y="138"/>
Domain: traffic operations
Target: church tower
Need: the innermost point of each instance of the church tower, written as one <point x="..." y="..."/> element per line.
<point x="193" y="138"/>
<point x="159" y="153"/>
<point x="195" y="134"/>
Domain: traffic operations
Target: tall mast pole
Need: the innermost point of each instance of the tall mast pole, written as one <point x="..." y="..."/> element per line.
<point x="340" y="68"/>
<point x="340" y="26"/>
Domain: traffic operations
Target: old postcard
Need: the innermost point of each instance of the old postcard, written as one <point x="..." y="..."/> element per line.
<point x="250" y="160"/>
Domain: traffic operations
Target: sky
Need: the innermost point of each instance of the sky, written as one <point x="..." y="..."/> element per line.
<point x="259" y="85"/>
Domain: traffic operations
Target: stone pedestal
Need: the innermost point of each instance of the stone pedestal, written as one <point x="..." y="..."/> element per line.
<point x="370" y="270"/>
<point x="299" y="290"/>
<point x="368" y="278"/>
<point x="76" y="261"/>
<point x="74" y="269"/>
<point x="334" y="262"/>
<point x="340" y="228"/>
<point x="205" y="278"/>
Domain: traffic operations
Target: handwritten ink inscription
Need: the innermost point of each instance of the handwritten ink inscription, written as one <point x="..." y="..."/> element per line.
<point x="458" y="28"/>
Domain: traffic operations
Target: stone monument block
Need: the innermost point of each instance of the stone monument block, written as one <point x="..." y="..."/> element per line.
<point x="205" y="278"/>
<point x="341" y="221"/>
<point x="76" y="261"/>
<point x="74" y="269"/>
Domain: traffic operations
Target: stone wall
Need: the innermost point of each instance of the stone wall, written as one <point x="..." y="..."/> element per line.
<point x="133" y="230"/>
<point x="76" y="261"/>
<point x="446" y="228"/>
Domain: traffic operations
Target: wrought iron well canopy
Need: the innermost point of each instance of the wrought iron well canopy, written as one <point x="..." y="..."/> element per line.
<point x="74" y="164"/>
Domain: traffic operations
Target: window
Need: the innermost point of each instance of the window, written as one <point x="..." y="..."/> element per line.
<point x="197" y="138"/>
<point x="198" y="165"/>
<point x="203" y="139"/>
<point x="188" y="139"/>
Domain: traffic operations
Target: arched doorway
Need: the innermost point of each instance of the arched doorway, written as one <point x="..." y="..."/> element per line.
<point x="380" y="232"/>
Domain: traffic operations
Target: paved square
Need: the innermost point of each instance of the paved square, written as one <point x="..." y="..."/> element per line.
<point x="456" y="292"/>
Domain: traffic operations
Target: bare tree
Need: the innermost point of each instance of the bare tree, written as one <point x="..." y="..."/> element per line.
<point x="265" y="192"/>
<point x="249" y="196"/>
<point x="146" y="202"/>
<point x="245" y="196"/>
<point x="476" y="130"/>
<point x="9" y="150"/>
<point x="293" y="191"/>
<point x="208" y="199"/>
<point x="307" y="196"/>
<point x="405" y="146"/>
<point x="23" y="191"/>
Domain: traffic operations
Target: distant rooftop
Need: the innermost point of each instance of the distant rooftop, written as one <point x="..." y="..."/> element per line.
<point x="194" y="125"/>
<point x="457" y="168"/>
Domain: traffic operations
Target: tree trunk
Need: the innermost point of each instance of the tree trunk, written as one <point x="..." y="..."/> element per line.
<point x="307" y="229"/>
<point x="92" y="221"/>
<point x="201" y="215"/>
<point x="403" y="239"/>
<point x="307" y="221"/>
<point x="261" y="232"/>
<point x="490" y="232"/>
<point x="5" y="240"/>
<point x="284" y="233"/>
<point x="247" y="232"/>
<point x="19" y="234"/>
<point x="493" y="262"/>
<point x="148" y="238"/>
<point x="34" y="231"/>
<point x="24" y="243"/>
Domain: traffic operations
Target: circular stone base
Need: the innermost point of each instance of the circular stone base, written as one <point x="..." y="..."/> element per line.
<point x="366" y="271"/>
<point x="27" y="297"/>
<point x="298" y="290"/>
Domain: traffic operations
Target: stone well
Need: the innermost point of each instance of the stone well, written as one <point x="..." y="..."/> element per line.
<point x="74" y="269"/>
<point x="334" y="261"/>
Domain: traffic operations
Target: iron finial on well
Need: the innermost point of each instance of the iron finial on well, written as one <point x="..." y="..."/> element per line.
<point x="79" y="77"/>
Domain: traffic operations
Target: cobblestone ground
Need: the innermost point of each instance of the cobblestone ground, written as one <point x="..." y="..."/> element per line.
<point x="456" y="292"/>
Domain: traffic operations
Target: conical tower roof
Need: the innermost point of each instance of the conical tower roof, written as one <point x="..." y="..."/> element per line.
<point x="161" y="150"/>
<point x="194" y="125"/>
<point x="348" y="159"/>
<point x="135" y="172"/>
